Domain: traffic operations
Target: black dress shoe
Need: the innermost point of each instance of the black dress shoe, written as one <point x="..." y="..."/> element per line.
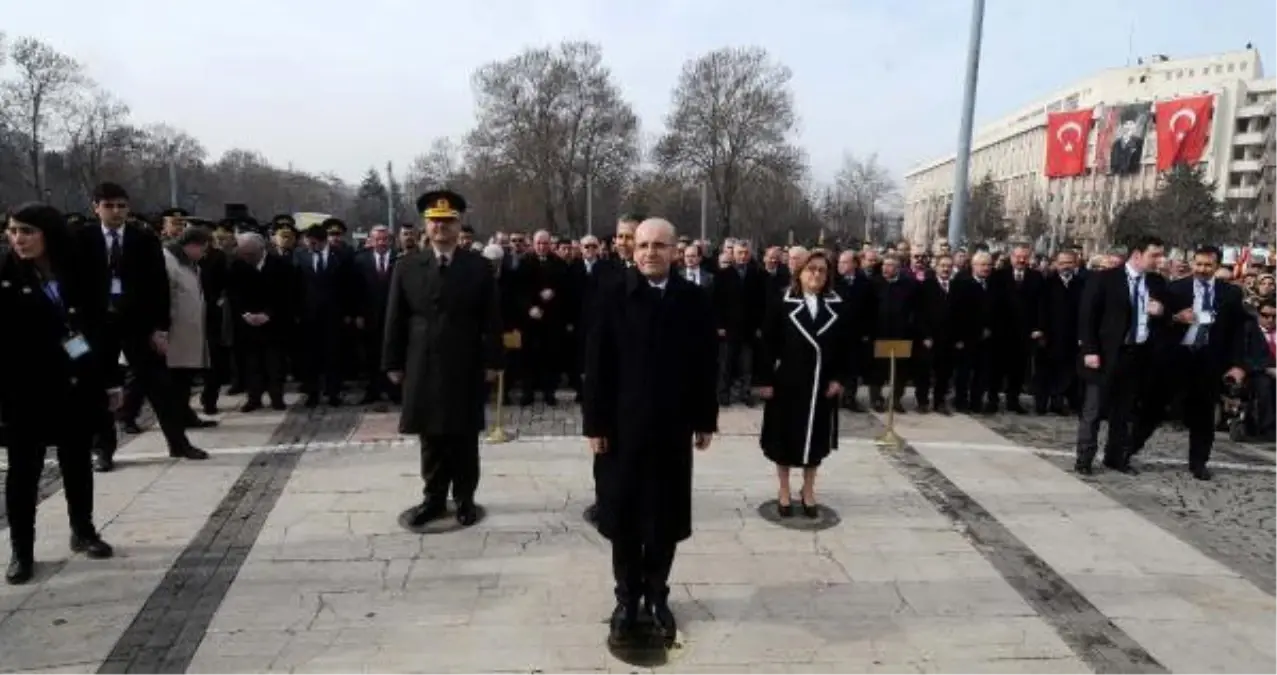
<point x="467" y="514"/>
<point x="1200" y="472"/>
<point x="251" y="406"/>
<point x="623" y="626"/>
<point x="924" y="407"/>
<point x="592" y="514"/>
<point x="131" y="427"/>
<point x="944" y="409"/>
<point x="103" y="463"/>
<point x="210" y="409"/>
<point x="663" y="621"/>
<point x="1122" y="467"/>
<point x="312" y="402"/>
<point x="190" y="452"/>
<point x="335" y="402"/>
<point x="428" y="511"/>
<point x="201" y="424"/>
<point x="1083" y="468"/>
<point x="19" y="571"/>
<point x="92" y="546"/>
<point x="278" y="405"/>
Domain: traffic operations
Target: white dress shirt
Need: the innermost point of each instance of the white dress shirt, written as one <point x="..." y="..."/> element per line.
<point x="813" y="304"/>
<point x="1199" y="290"/>
<point x="1136" y="279"/>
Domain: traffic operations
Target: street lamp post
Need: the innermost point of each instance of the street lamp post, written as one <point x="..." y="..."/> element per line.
<point x="958" y="216"/>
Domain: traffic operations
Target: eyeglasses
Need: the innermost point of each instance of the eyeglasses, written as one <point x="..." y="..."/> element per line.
<point x="114" y="206"/>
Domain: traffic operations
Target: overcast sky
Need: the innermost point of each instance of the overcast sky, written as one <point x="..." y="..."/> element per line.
<point x="340" y="86"/>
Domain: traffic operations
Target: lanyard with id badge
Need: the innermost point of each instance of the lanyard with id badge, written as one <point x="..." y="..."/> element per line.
<point x="74" y="343"/>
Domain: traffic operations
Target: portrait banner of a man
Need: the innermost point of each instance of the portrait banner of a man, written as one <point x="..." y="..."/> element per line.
<point x="1120" y="141"/>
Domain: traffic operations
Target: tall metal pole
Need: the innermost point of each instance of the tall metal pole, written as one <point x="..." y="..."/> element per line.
<point x="589" y="205"/>
<point x="958" y="216"/>
<point x="704" y="211"/>
<point x="172" y="181"/>
<point x="390" y="199"/>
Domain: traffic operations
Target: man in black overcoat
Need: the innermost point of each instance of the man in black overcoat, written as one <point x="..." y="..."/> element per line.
<point x="650" y="381"/>
<point x="442" y="339"/>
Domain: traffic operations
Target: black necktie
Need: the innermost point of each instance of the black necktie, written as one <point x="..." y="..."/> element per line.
<point x="443" y="264"/>
<point x="113" y="253"/>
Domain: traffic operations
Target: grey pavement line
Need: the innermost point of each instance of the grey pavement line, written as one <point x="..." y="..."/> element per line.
<point x="166" y="633"/>
<point x="1162" y="461"/>
<point x="846" y="440"/>
<point x="1092" y="636"/>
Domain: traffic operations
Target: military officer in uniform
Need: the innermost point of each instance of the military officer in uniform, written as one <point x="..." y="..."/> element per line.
<point x="442" y="340"/>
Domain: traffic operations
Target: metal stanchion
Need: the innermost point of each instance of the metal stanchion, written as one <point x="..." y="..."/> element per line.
<point x="511" y="341"/>
<point x="891" y="350"/>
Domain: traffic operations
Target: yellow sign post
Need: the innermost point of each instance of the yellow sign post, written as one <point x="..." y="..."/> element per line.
<point x="510" y="341"/>
<point x="891" y="350"/>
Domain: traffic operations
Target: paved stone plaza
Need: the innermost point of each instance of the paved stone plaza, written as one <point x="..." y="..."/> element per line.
<point x="970" y="550"/>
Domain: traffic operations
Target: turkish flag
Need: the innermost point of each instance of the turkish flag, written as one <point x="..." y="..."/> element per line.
<point x="1066" y="134"/>
<point x="1182" y="130"/>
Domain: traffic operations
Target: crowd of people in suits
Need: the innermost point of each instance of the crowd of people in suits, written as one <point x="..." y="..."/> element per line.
<point x="652" y="332"/>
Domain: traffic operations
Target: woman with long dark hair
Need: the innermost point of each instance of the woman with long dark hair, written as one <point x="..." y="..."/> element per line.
<point x="57" y="383"/>
<point x="804" y="357"/>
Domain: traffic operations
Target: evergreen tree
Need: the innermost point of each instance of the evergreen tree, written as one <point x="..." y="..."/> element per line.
<point x="1133" y="220"/>
<point x="370" y="200"/>
<point x="1186" y="212"/>
<point x="986" y="212"/>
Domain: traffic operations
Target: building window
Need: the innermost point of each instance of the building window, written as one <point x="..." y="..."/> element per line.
<point x="1192" y="72"/>
<point x="1130" y="80"/>
<point x="1242" y="65"/>
<point x="1168" y="76"/>
<point x="1230" y="67"/>
<point x="1143" y="78"/>
<point x="1179" y="74"/>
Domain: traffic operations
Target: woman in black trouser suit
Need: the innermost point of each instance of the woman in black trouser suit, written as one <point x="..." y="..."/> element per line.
<point x="55" y="387"/>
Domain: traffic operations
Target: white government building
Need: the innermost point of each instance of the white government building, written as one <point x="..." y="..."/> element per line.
<point x="1239" y="157"/>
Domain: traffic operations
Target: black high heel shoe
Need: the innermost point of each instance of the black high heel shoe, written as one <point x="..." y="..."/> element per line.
<point x="785" y="510"/>
<point x="811" y="510"/>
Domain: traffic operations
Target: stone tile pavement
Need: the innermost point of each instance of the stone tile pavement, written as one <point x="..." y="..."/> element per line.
<point x="964" y="552"/>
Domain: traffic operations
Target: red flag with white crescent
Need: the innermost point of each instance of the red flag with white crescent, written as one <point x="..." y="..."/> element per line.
<point x="1183" y="128"/>
<point x="1066" y="134"/>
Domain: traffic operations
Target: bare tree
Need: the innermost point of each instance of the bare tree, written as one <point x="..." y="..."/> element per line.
<point x="98" y="137"/>
<point x="553" y="118"/>
<point x="44" y="84"/>
<point x="731" y="123"/>
<point x="866" y="186"/>
<point x="437" y="167"/>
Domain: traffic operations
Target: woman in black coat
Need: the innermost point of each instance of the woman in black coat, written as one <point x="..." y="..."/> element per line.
<point x="804" y="359"/>
<point x="55" y="386"/>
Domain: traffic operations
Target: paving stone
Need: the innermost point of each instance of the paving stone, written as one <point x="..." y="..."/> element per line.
<point x="1233" y="518"/>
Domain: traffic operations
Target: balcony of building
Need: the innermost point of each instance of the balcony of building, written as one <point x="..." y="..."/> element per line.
<point x="1249" y="138"/>
<point x="1242" y="192"/>
<point x="1246" y="165"/>
<point x="1262" y="109"/>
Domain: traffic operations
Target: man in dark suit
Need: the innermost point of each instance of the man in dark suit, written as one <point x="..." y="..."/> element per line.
<point x="1122" y="313"/>
<point x="259" y="296"/>
<point x="1058" y="389"/>
<point x="859" y="298"/>
<point x="1203" y="343"/>
<point x="329" y="293"/>
<point x="1018" y="291"/>
<point x="546" y="285"/>
<point x="127" y="265"/>
<point x="940" y="337"/>
<point x="973" y="389"/>
<point x="443" y="319"/>
<point x="694" y="272"/>
<point x="642" y="428"/>
<point x="374" y="265"/>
